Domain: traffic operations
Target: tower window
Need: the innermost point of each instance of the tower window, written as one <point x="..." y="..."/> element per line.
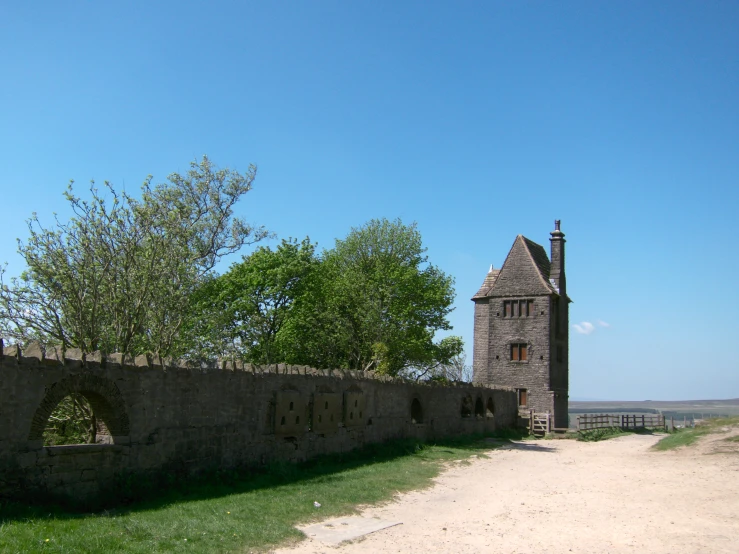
<point x="522" y="397"/>
<point x="519" y="352"/>
<point x="518" y="308"/>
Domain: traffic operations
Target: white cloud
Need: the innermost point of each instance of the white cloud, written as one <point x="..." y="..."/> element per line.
<point x="602" y="323"/>
<point x="584" y="328"/>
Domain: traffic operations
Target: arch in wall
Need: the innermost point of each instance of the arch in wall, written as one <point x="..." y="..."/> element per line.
<point x="490" y="408"/>
<point x="416" y="411"/>
<point x="466" y="409"/>
<point x="479" y="408"/>
<point x="103" y="395"/>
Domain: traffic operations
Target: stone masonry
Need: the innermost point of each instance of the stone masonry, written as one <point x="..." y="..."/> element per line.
<point x="521" y="327"/>
<point x="185" y="418"/>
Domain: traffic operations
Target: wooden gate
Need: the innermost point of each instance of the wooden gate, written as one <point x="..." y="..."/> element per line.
<point x="540" y="424"/>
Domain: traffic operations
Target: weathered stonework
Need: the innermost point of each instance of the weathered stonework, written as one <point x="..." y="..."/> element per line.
<point x="199" y="418"/>
<point x="524" y="305"/>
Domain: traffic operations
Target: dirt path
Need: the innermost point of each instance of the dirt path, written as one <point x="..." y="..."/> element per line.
<point x="568" y="496"/>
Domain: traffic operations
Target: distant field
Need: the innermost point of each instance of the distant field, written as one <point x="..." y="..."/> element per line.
<point x="678" y="409"/>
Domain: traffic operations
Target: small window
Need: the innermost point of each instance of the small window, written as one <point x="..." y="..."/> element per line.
<point x="518" y="308"/>
<point x="479" y="408"/>
<point x="522" y="398"/>
<point x="416" y="412"/>
<point x="519" y="352"/>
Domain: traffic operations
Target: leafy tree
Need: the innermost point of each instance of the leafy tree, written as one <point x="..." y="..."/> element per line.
<point x="119" y="274"/>
<point x="448" y="365"/>
<point x="375" y="304"/>
<point x="243" y="311"/>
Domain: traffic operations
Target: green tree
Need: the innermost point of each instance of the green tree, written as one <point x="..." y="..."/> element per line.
<point x="448" y="364"/>
<point x="118" y="275"/>
<point x="375" y="304"/>
<point x="242" y="312"/>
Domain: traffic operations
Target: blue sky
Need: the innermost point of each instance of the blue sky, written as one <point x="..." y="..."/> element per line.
<point x="478" y="120"/>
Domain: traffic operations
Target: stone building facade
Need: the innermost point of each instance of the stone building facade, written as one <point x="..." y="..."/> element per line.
<point x="521" y="332"/>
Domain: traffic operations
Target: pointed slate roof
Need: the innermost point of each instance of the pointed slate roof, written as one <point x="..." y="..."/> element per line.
<point x="539" y="255"/>
<point x="525" y="271"/>
<point x="487" y="283"/>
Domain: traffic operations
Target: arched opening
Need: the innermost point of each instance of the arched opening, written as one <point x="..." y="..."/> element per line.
<point x="479" y="408"/>
<point x="490" y="408"/>
<point x="80" y="409"/>
<point x="73" y="421"/>
<point x="416" y="411"/>
<point x="466" y="410"/>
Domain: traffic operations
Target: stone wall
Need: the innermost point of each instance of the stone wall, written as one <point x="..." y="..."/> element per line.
<point x="197" y="418"/>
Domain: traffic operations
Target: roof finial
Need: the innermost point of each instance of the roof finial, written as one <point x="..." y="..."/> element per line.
<point x="556" y="224"/>
<point x="491" y="268"/>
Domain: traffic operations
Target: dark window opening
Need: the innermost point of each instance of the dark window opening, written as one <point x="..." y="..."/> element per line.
<point x="416" y="411"/>
<point x="297" y="420"/>
<point x="490" y="409"/>
<point x="282" y="420"/>
<point x="479" y="408"/>
<point x="466" y="406"/>
<point x="291" y="406"/>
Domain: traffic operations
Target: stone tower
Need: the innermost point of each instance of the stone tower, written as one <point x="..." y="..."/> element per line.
<point x="522" y="327"/>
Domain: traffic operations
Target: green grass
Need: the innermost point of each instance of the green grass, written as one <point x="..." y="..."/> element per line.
<point x="595" y="435"/>
<point x="235" y="511"/>
<point x="686" y="437"/>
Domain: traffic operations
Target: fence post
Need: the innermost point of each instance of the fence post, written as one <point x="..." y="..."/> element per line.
<point x="549" y="423"/>
<point x="531" y="421"/>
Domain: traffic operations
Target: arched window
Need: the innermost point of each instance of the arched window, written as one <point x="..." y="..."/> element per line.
<point x="466" y="410"/>
<point x="479" y="408"/>
<point x="416" y="411"/>
<point x="490" y="408"/>
<point x="82" y="408"/>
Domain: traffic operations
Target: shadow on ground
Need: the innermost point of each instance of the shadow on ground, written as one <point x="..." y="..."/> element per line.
<point x="136" y="492"/>
<point x="528" y="446"/>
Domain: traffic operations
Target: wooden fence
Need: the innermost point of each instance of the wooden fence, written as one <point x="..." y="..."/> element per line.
<point x="586" y="422"/>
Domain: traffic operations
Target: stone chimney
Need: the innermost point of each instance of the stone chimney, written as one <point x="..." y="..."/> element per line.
<point x="557" y="272"/>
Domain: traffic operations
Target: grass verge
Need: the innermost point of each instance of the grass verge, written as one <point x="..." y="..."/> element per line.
<point x="595" y="435"/>
<point x="686" y="437"/>
<point x="235" y="511"/>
